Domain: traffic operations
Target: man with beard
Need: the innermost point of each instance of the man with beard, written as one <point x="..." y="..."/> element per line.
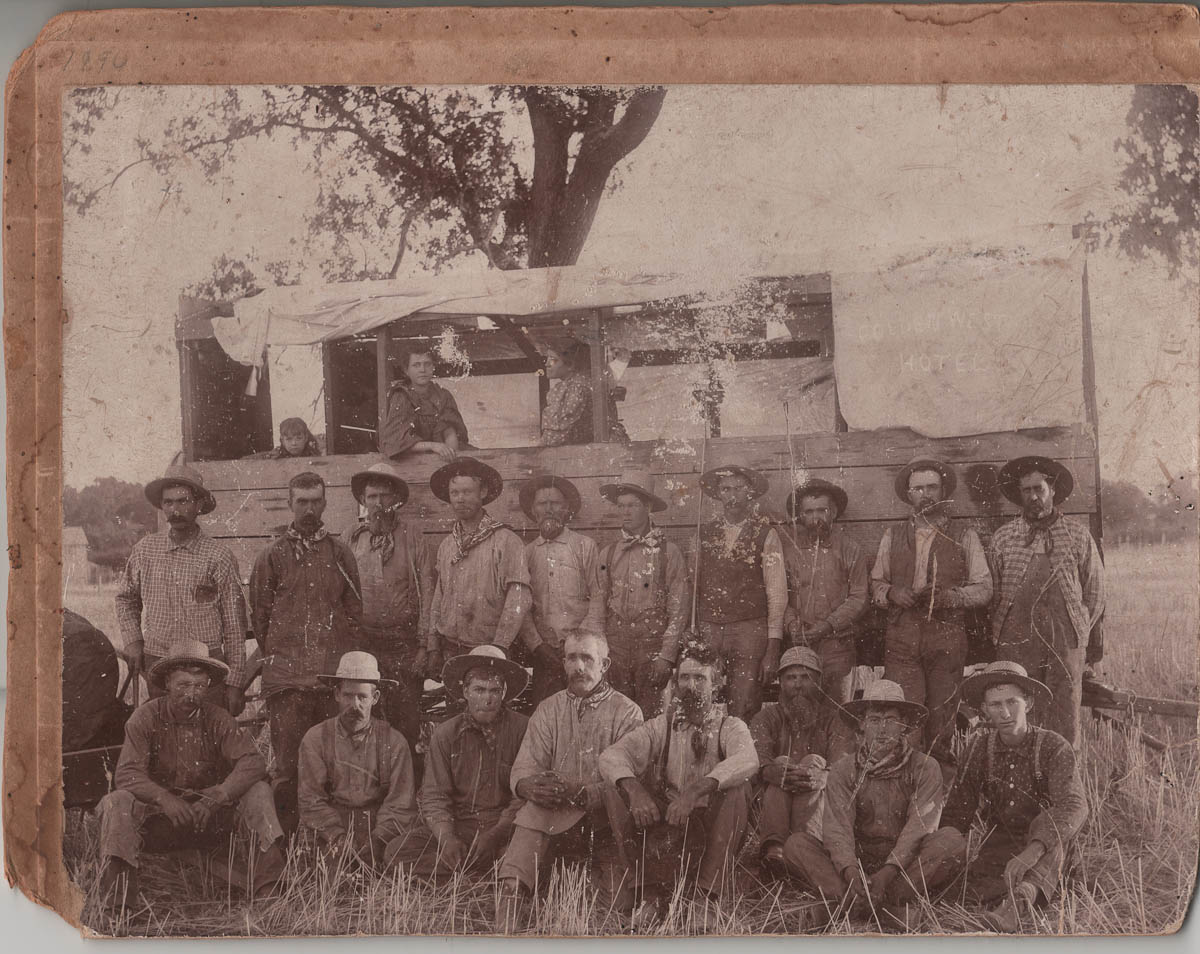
<point x="880" y="845"/>
<point x="827" y="582"/>
<point x="307" y="610"/>
<point x="645" y="583"/>
<point x="742" y="586"/>
<point x="927" y="574"/>
<point x="797" y="738"/>
<point x="557" y="774"/>
<point x="356" y="774"/>
<point x="679" y="787"/>
<point x="564" y="574"/>
<point x="187" y="776"/>
<point x="482" y="594"/>
<point x="395" y="566"/>
<point x="466" y="803"/>
<point x="1049" y="589"/>
<point x="181" y="584"/>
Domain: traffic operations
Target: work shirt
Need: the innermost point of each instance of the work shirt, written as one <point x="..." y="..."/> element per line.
<point x="882" y="817"/>
<point x="774" y="572"/>
<point x="469" y="598"/>
<point x="974" y="594"/>
<point x="395" y="595"/>
<point x="566" y="734"/>
<point x="567" y="593"/>
<point x="307" y="610"/>
<point x="369" y="770"/>
<point x="467" y="775"/>
<point x="998" y="785"/>
<point x="729" y="756"/>
<point x="177" y="591"/>
<point x="630" y="576"/>
<point x="411" y="418"/>
<point x="827" y="579"/>
<point x="777" y="734"/>
<point x="166" y="755"/>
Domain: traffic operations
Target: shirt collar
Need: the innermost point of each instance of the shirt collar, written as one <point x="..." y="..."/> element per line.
<point x="561" y="538"/>
<point x="470" y="725"/>
<point x="188" y="544"/>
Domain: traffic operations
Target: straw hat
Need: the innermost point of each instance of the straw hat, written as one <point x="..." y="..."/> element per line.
<point x="484" y="657"/>
<point x="385" y="471"/>
<point x="181" y="474"/>
<point x="816" y="487"/>
<point x="493" y="483"/>
<point x="883" y="694"/>
<point x="800" y="656"/>
<point x="640" y="482"/>
<point x="949" y="478"/>
<point x="1003" y="672"/>
<point x="710" y="479"/>
<point x="1009" y="478"/>
<point x="187" y="652"/>
<point x="358" y="666"/>
<point x="530" y="488"/>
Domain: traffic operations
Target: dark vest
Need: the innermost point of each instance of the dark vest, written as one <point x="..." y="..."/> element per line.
<point x="731" y="581"/>
<point x="947" y="549"/>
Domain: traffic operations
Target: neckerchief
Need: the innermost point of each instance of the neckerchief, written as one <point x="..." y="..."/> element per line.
<point x="464" y="542"/>
<point x="490" y="733"/>
<point x="592" y="700"/>
<point x="1043" y="526"/>
<point x="701" y="734"/>
<point x="384" y="541"/>
<point x="886" y="767"/>
<point x="302" y="544"/>
<point x="652" y="539"/>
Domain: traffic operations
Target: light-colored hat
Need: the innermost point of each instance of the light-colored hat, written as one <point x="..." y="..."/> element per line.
<point x="385" y="471"/>
<point x="711" y="479"/>
<point x="883" y="693"/>
<point x="1009" y="478"/>
<point x="187" y="652"/>
<point x="800" y="656"/>
<point x="493" y="483"/>
<point x="538" y="482"/>
<point x="949" y="478"/>
<point x="1003" y="672"/>
<point x="358" y="666"/>
<point x="484" y="657"/>
<point x="181" y="474"/>
<point x="640" y="482"/>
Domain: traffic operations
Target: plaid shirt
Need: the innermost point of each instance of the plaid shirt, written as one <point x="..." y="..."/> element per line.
<point x="190" y="590"/>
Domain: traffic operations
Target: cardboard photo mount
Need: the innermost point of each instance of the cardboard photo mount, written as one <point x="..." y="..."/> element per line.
<point x="1061" y="43"/>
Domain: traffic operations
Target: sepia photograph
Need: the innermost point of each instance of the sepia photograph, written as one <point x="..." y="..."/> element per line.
<point x="610" y="510"/>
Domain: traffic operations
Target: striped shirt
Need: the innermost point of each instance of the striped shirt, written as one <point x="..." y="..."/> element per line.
<point x="177" y="591"/>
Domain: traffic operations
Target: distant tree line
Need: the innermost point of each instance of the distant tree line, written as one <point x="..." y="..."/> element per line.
<point x="114" y="515"/>
<point x="1133" y="514"/>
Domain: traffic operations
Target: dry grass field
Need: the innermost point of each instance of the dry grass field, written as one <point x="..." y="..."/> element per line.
<point x="1139" y="847"/>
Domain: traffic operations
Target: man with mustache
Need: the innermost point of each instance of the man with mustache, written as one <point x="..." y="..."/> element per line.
<point x="306" y="601"/>
<point x="557" y="774"/>
<point x="1049" y="589"/>
<point x="356" y="774"/>
<point x="927" y="573"/>
<point x="880" y="845"/>
<point x="395" y="566"/>
<point x="827" y="582"/>
<point x="187" y="776"/>
<point x="179" y="583"/>
<point x="797" y="738"/>
<point x="679" y="787"/>
<point x="564" y="574"/>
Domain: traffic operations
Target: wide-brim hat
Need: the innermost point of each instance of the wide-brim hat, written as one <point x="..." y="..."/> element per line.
<point x="493" y="483"/>
<point x="187" y="652"/>
<point x="800" y="656"/>
<point x="1003" y="672"/>
<point x="484" y="657"/>
<point x="640" y="483"/>
<point x="1009" y="478"/>
<point x="385" y="471"/>
<point x="883" y="694"/>
<point x="813" y="488"/>
<point x="949" y="478"/>
<point x="181" y="474"/>
<point x="530" y="488"/>
<point x="710" y="479"/>
<point x="358" y="666"/>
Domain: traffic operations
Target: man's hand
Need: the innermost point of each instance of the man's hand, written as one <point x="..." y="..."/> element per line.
<point x="546" y="789"/>
<point x="795" y="629"/>
<point x="660" y="671"/>
<point x="857" y="891"/>
<point x="179" y="813"/>
<point x="803" y="778"/>
<point x="235" y="700"/>
<point x="212" y="799"/>
<point x="1019" y="865"/>
<point x="880" y="881"/>
<point x="947" y="599"/>
<point x="642" y="807"/>
<point x="444" y="451"/>
<point x="135" y="655"/>
<point x="902" y="596"/>
<point x="817" y="632"/>
<point x="680" y="808"/>
<point x="452" y="851"/>
<point x="770" y="662"/>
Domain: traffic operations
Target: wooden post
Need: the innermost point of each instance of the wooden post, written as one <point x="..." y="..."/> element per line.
<point x="383" y="378"/>
<point x="600" y="422"/>
<point x="331" y="427"/>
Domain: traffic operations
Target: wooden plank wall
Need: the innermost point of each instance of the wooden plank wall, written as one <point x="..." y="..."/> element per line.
<point x="252" y="495"/>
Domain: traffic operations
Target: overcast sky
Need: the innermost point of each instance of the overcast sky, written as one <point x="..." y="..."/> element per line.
<point x="822" y="177"/>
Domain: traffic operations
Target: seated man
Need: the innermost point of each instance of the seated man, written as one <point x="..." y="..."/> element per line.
<point x="558" y="775"/>
<point x="1022" y="785"/>
<point x="797" y="738"/>
<point x="881" y="844"/>
<point x="186" y="774"/>
<point x="466" y="803"/>
<point x="356" y="776"/>
<point x="421" y="415"/>
<point x="683" y="780"/>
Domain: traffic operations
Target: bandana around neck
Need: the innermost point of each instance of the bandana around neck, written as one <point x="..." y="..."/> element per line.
<point x="652" y="539"/>
<point x="465" y="542"/>
<point x="1043" y="525"/>
<point x="582" y="703"/>
<point x="302" y="544"/>
<point x="885" y="766"/>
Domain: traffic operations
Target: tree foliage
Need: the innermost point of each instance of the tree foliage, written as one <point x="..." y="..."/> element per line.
<point x="114" y="515"/>
<point x="1134" y="514"/>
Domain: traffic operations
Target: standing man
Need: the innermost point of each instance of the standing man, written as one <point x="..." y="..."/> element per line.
<point x="564" y="574"/>
<point x="482" y="594"/>
<point x="421" y="416"/>
<point x="827" y="582"/>
<point x="395" y="565"/>
<point x="1049" y="589"/>
<point x="645" y="583"/>
<point x="742" y="586"/>
<point x="181" y="584"/>
<point x="683" y="781"/>
<point x="557" y="773"/>
<point x="466" y="803"/>
<point x="306" y="601"/>
<point x="927" y="574"/>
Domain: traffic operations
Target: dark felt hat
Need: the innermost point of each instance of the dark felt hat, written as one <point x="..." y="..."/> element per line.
<point x="538" y="482"/>
<point x="817" y="487"/>
<point x="493" y="483"/>
<point x="640" y="483"/>
<point x="384" y="471"/>
<point x="1009" y="478"/>
<point x="181" y="474"/>
<point x="949" y="478"/>
<point x="711" y="479"/>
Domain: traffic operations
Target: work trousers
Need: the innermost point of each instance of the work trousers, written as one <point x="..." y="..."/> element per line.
<point x="531" y="855"/>
<point x="940" y="856"/>
<point x="129" y="826"/>
<point x="837" y="655"/>
<point x="741" y="646"/>
<point x="290" y="714"/>
<point x="361" y="834"/>
<point x="985" y="875"/>
<point x="926" y="657"/>
<point x="401" y="704"/>
<point x="418" y="849"/>
<point x="215" y="694"/>
<point x="782" y="813"/>
<point x="632" y="647"/>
